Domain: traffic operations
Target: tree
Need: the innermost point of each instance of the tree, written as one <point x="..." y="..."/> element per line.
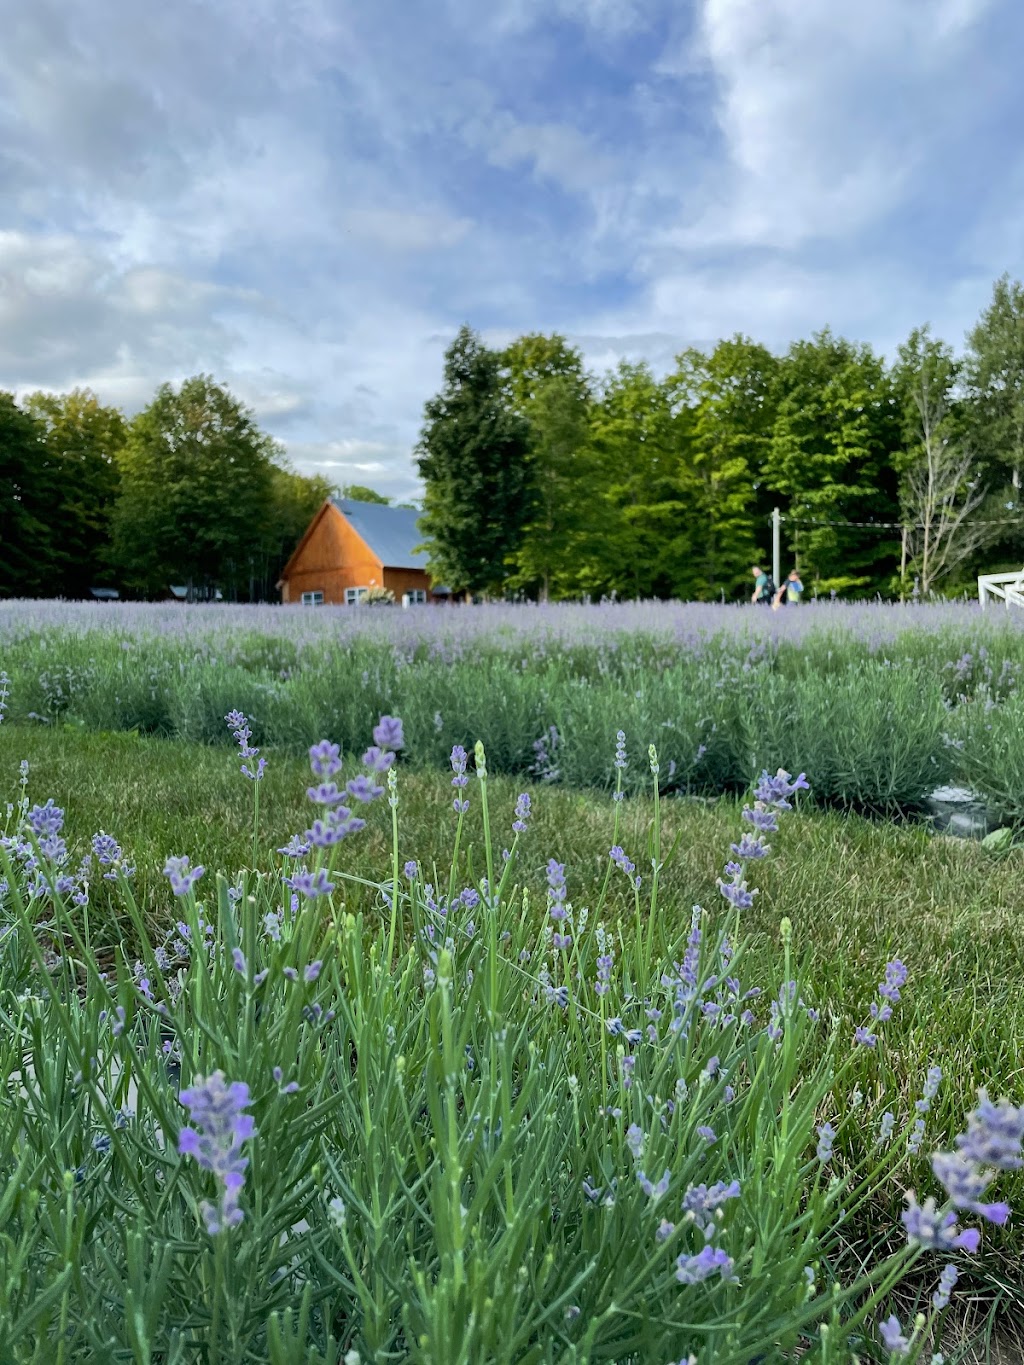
<point x="29" y="495"/>
<point x="729" y="399"/>
<point x="836" y="428"/>
<point x="943" y="489"/>
<point x="565" y="525"/>
<point x="472" y="457"/>
<point x="994" y="371"/>
<point x="294" y="501"/>
<point x="84" y="439"/>
<point x="358" y="492"/>
<point x="546" y="384"/>
<point x="197" y="485"/>
<point x="645" y="490"/>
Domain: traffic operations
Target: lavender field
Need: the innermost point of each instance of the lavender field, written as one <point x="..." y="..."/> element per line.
<point x="879" y="704"/>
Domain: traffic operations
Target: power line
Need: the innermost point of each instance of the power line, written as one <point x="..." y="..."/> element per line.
<point x="890" y="525"/>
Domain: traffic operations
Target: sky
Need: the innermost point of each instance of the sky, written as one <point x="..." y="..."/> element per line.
<point x="306" y="198"/>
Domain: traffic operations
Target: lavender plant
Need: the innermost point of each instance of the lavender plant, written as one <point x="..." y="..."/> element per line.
<point x="469" y="1127"/>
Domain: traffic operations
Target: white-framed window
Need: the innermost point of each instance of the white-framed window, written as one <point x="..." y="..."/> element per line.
<point x="353" y="596"/>
<point x="415" y="597"/>
<point x="312" y="599"/>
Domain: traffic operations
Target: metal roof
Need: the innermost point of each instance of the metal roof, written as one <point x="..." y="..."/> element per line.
<point x="390" y="532"/>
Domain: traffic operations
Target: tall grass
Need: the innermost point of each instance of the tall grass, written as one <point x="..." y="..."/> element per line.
<point x="463" y="1124"/>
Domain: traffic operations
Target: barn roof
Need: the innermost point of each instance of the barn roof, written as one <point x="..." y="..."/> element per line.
<point x="390" y="532"/>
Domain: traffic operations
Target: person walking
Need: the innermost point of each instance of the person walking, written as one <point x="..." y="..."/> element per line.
<point x="789" y="592"/>
<point x="764" y="588"/>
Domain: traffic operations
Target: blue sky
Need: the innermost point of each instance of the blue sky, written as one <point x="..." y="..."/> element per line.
<point x="307" y="199"/>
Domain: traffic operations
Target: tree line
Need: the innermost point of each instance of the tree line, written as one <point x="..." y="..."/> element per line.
<point x="190" y="492"/>
<point x="894" y="478"/>
<point x="546" y="481"/>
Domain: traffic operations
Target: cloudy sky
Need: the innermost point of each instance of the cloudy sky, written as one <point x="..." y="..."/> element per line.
<point x="307" y="197"/>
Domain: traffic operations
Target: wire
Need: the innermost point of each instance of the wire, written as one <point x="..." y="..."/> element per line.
<point x="889" y="525"/>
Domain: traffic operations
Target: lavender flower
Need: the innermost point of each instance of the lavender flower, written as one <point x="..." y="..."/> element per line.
<point x="652" y="1191"/>
<point x="620" y="749"/>
<point x="947" y="1280"/>
<point x="242" y="732"/>
<point x="735" y="890"/>
<point x="761" y="818"/>
<point x="701" y="1201"/>
<point x="411" y="870"/>
<point x="311" y="884"/>
<point x="325" y="759"/>
<point x="45" y="821"/>
<point x="865" y="1038"/>
<point x="288" y="1089"/>
<point x="361" y="788"/>
<point x="885" y="1127"/>
<point x="929" y="1228"/>
<point x="181" y="876"/>
<point x="965" y="1183"/>
<point x="826" y="1140"/>
<point x="750" y="846"/>
<point x="377" y="760"/>
<point x="556" y="890"/>
<point x="326" y="794"/>
<point x="219" y="1110"/>
<point x="891" y="1334"/>
<point x="312" y="972"/>
<point x="387" y="733"/>
<point x="695" y="1269"/>
<point x="522" y="813"/>
<point x="995" y="1135"/>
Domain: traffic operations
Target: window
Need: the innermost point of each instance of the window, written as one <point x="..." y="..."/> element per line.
<point x="312" y="599"/>
<point x="353" y="596"/>
<point x="415" y="597"/>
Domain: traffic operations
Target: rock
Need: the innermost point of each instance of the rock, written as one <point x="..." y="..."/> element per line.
<point x="960" y="812"/>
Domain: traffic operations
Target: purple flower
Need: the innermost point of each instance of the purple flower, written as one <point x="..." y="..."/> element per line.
<point x="311" y="884"/>
<point x="761" y="818"/>
<point x="654" y="1192"/>
<point x="459" y="759"/>
<point x="46" y="820"/>
<point x="620" y="859"/>
<point x="326" y="794"/>
<point x="181" y="876"/>
<point x="312" y="971"/>
<point x="750" y="846"/>
<point x="106" y="849"/>
<point x="965" y="1183"/>
<point x="620" y="749"/>
<point x="776" y="791"/>
<point x="295" y="848"/>
<point x="325" y="759"/>
<point x="238" y="962"/>
<point x="934" y="1230"/>
<point x="895" y="977"/>
<point x="362" y="789"/>
<point x="701" y="1201"/>
<point x="242" y="732"/>
<point x="826" y="1139"/>
<point x="995" y="1134"/>
<point x="556" y="890"/>
<point x="707" y="1134"/>
<point x="892" y="1336"/>
<point x="735" y="891"/>
<point x="947" y="1280"/>
<point x="388" y="733"/>
<point x="694" y="1269"/>
<point x="605" y="963"/>
<point x="219" y="1110"/>
<point x="865" y="1038"/>
<point x="377" y="760"/>
<point x="522" y="813"/>
<point x="288" y="1089"/>
<point x="411" y="870"/>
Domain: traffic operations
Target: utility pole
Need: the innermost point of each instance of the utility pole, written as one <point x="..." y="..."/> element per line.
<point x="776" y="552"/>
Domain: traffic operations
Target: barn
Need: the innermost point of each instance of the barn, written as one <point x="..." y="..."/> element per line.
<point x="350" y="547"/>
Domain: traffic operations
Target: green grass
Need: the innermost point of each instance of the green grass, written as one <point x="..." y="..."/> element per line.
<point x="858" y="892"/>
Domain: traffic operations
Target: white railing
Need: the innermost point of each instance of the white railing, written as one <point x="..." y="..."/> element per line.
<point x="1008" y="586"/>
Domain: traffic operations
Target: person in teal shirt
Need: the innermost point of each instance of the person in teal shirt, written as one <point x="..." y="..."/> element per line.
<point x="790" y="591"/>
<point x="763" y="585"/>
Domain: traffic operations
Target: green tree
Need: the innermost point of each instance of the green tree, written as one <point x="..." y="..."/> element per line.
<point x="358" y="492"/>
<point x="84" y="439"/>
<point x="197" y="484"/>
<point x="945" y="498"/>
<point x="546" y="384"/>
<point x="837" y="427"/>
<point x="645" y="488"/>
<point x="729" y="399"/>
<point x="473" y="458"/>
<point x="30" y="561"/>
<point x="994" y="373"/>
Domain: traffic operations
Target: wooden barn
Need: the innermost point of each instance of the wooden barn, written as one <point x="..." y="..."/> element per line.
<point x="351" y="547"/>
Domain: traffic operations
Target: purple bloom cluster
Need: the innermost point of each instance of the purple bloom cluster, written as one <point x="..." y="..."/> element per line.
<point x="771" y="795"/>
<point x="459" y="760"/>
<point x="242" y="733"/>
<point x="622" y="860"/>
<point x="710" y="1260"/>
<point x="522" y="813"/>
<point x="218" y="1108"/>
<point x="892" y="1336"/>
<point x="881" y="1009"/>
<point x="181" y="876"/>
<point x="557" y="909"/>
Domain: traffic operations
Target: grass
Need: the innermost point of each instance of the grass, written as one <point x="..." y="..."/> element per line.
<point x="858" y="893"/>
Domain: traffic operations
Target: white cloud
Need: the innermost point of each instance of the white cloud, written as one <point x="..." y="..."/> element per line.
<point x="406" y="230"/>
<point x="555" y="151"/>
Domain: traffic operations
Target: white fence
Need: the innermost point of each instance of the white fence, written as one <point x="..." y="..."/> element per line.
<point x="1007" y="586"/>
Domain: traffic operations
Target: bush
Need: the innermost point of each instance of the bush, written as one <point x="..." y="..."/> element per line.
<point x="470" y="1129"/>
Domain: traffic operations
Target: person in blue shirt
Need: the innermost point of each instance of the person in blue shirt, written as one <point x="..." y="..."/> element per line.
<point x="789" y="591"/>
